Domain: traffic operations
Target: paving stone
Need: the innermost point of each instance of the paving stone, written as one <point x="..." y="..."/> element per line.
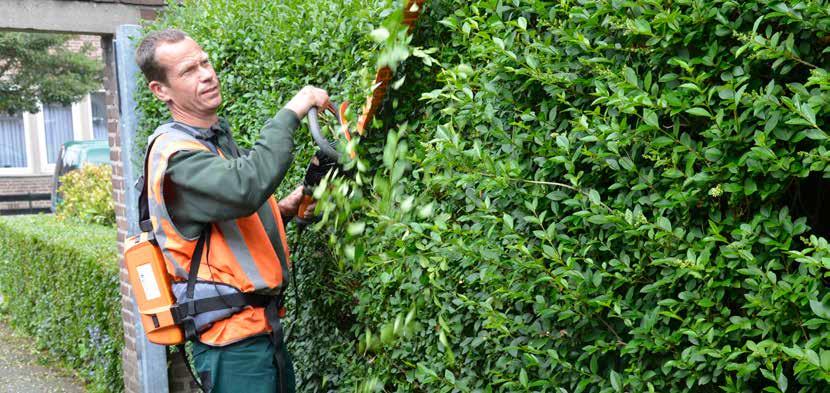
<point x="21" y="372"/>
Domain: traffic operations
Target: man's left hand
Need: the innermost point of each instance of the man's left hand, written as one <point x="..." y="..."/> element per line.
<point x="290" y="205"/>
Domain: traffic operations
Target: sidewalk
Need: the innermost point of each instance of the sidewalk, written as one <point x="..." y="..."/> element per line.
<point x="21" y="373"/>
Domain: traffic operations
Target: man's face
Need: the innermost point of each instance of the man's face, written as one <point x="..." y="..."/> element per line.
<point x="192" y="86"/>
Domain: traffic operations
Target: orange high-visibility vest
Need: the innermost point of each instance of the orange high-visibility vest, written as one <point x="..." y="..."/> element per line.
<point x="241" y="254"/>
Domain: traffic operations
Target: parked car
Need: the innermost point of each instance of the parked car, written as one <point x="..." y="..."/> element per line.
<point x="75" y="154"/>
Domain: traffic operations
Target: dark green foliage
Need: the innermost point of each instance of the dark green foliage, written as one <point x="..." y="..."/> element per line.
<point x="60" y="287"/>
<point x="37" y="67"/>
<point x="567" y="196"/>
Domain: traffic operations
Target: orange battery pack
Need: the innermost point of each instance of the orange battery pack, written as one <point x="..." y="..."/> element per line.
<point x="151" y="287"/>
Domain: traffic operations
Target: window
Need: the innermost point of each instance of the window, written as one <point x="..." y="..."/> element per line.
<point x="99" y="115"/>
<point x="12" y="142"/>
<point x="57" y="125"/>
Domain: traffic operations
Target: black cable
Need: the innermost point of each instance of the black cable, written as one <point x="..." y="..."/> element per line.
<point x="183" y="350"/>
<point x="300" y="228"/>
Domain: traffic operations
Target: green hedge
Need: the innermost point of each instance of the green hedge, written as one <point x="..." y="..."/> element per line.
<point x="60" y="287"/>
<point x="558" y="196"/>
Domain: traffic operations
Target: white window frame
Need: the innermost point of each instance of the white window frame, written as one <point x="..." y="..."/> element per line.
<point x="29" y="168"/>
<point x="45" y="166"/>
<point x="91" y="118"/>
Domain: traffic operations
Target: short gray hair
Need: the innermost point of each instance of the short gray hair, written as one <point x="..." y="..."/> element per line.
<point x="146" y="53"/>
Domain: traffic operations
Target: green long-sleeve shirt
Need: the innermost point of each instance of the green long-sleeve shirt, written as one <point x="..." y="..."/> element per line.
<point x="207" y="188"/>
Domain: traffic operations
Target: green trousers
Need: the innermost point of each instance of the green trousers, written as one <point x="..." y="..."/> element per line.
<point x="248" y="366"/>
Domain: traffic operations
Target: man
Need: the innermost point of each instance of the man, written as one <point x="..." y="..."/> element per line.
<point x="206" y="194"/>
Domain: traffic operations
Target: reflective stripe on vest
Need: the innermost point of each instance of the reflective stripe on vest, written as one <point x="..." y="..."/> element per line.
<point x="241" y="252"/>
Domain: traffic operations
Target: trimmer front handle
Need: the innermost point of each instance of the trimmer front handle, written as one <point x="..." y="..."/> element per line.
<point x="325" y="160"/>
<point x="326" y="147"/>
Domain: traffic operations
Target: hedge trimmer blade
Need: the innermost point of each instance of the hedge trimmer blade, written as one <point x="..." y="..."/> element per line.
<point x="411" y="12"/>
<point x="344" y="125"/>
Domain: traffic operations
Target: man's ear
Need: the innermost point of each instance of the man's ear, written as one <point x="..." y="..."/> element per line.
<point x="159" y="90"/>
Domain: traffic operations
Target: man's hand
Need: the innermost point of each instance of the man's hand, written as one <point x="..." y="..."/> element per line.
<point x="290" y="205"/>
<point x="306" y="98"/>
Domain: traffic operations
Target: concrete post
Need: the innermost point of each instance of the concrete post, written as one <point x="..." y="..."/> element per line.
<point x="151" y="359"/>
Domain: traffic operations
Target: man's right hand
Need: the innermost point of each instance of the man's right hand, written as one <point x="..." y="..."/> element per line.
<point x="306" y="98"/>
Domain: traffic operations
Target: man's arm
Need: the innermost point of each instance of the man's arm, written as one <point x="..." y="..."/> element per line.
<point x="201" y="187"/>
<point x="208" y="188"/>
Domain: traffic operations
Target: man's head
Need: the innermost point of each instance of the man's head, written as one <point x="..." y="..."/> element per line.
<point x="179" y="73"/>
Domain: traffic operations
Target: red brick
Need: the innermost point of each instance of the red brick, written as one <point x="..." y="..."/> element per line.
<point x="94" y="41"/>
<point x="148" y="13"/>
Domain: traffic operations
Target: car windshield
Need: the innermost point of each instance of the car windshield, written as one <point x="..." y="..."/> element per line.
<point x="72" y="157"/>
<point x="98" y="156"/>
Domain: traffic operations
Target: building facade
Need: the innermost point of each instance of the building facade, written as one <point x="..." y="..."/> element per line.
<point x="30" y="142"/>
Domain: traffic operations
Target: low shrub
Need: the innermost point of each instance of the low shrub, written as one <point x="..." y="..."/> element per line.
<point x="59" y="282"/>
<point x="87" y="195"/>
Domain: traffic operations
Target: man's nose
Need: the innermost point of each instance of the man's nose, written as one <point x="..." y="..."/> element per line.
<point x="205" y="74"/>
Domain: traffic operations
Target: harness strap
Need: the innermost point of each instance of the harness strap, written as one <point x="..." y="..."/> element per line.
<point x="196" y="135"/>
<point x="188" y="323"/>
<point x="220" y="302"/>
<point x="272" y="314"/>
<point x="144" y="222"/>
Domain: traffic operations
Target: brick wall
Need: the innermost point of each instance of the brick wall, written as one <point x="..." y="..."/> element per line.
<point x="128" y="356"/>
<point x="24" y="184"/>
<point x="93" y="41"/>
<point x="15" y="185"/>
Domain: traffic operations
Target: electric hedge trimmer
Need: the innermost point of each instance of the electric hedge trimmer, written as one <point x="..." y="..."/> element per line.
<point x="327" y="158"/>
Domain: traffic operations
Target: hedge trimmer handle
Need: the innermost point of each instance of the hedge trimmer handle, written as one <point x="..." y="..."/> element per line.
<point x="326" y="147"/>
<point x="320" y="166"/>
<point x="324" y="161"/>
<point x="307" y="200"/>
